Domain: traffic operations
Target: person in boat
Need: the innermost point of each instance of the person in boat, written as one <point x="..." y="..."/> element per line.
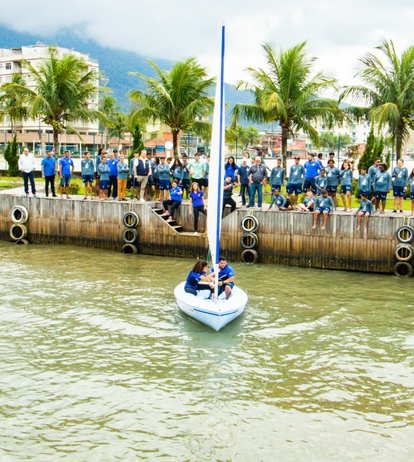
<point x="197" y="274"/>
<point x="226" y="277"/>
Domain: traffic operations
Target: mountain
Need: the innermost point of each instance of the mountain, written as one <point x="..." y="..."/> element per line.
<point x="115" y="63"/>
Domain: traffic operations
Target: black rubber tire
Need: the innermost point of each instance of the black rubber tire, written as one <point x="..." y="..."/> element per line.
<point x="19" y="214"/>
<point x="18" y="231"/>
<point x="22" y="242"/>
<point x="131" y="220"/>
<point x="405" y="234"/>
<point x="404" y="252"/>
<point x="249" y="240"/>
<point x="130" y="235"/>
<point x="402" y="269"/>
<point x="249" y="223"/>
<point x="249" y="256"/>
<point x="129" y="249"/>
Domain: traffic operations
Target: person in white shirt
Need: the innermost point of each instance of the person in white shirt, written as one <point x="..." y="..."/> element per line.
<point x="27" y="165"/>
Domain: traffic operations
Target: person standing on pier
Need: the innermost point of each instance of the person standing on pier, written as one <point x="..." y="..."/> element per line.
<point x="66" y="167"/>
<point x="164" y="173"/>
<point x="382" y="186"/>
<point x="312" y="168"/>
<point x="98" y="161"/>
<point x="325" y="205"/>
<point x="296" y="178"/>
<point x="365" y="209"/>
<point x="27" y="165"/>
<point x="197" y="205"/>
<point x="48" y="167"/>
<point x="364" y="182"/>
<point x="333" y="175"/>
<point x="113" y="176"/>
<point x="320" y="159"/>
<point x="257" y="178"/>
<point x="346" y="185"/>
<point x="122" y="168"/>
<point x="87" y="169"/>
<point x="400" y="175"/>
<point x="373" y="170"/>
<point x="104" y="171"/>
<point x="243" y="177"/>
<point x="185" y="177"/>
<point x="142" y="170"/>
<point x="133" y="182"/>
<point x="205" y="176"/>
<point x="197" y="168"/>
<point x="277" y="176"/>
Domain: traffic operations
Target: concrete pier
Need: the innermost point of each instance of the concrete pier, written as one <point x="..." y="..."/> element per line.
<point x="283" y="237"/>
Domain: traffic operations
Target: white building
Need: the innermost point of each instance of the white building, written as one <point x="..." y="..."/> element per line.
<point x="358" y="131"/>
<point x="33" y="132"/>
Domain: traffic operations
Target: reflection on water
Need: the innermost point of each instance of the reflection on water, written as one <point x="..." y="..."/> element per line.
<point x="97" y="363"/>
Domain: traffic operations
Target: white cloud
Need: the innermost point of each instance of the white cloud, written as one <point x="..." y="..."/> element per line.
<point x="338" y="33"/>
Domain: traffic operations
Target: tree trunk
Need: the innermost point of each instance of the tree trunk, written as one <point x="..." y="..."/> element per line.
<point x="56" y="141"/>
<point x="285" y="135"/>
<point x="175" y="142"/>
<point x="399" y="139"/>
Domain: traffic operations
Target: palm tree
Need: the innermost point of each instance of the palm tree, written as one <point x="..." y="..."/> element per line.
<point x="287" y="93"/>
<point x="11" y="102"/>
<point x="119" y="125"/>
<point x="179" y="97"/>
<point x="62" y="90"/>
<point x="252" y="136"/>
<point x="108" y="106"/>
<point x="388" y="90"/>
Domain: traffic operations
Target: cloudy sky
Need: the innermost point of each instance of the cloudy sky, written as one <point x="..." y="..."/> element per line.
<point x="337" y="32"/>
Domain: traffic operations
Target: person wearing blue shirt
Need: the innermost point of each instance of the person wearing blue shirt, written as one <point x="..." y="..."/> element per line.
<point x="185" y="176"/>
<point x="411" y="181"/>
<point x="226" y="277"/>
<point x="164" y="173"/>
<point x="142" y="170"/>
<point x="123" y="171"/>
<point x="197" y="205"/>
<point x="176" y="170"/>
<point x="277" y="176"/>
<point x="382" y="186"/>
<point x="176" y="197"/>
<point x="280" y="202"/>
<point x="155" y="177"/>
<point x="364" y="182"/>
<point x="230" y="168"/>
<point x="321" y="182"/>
<point x="48" y="167"/>
<point x="372" y="171"/>
<point x="325" y="205"/>
<point x="308" y="203"/>
<point x="227" y="193"/>
<point x="197" y="274"/>
<point x="205" y="176"/>
<point x="296" y="178"/>
<point x="98" y="161"/>
<point x="312" y="168"/>
<point x="333" y="174"/>
<point x="366" y="209"/>
<point x="66" y="167"/>
<point x="243" y="177"/>
<point x="87" y="169"/>
<point x="113" y="176"/>
<point x="400" y="185"/>
<point x="320" y="159"/>
<point x="104" y="171"/>
<point x="346" y="185"/>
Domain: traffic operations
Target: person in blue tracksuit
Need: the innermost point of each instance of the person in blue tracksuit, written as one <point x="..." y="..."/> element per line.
<point x="164" y="178"/>
<point x="98" y="161"/>
<point x="185" y="177"/>
<point x="364" y="182"/>
<point x="308" y="203"/>
<point x="373" y="170"/>
<point x="400" y="185"/>
<point x="296" y="178"/>
<point x="382" y="186"/>
<point x="321" y="182"/>
<point x="243" y="177"/>
<point x="346" y="185"/>
<point x="87" y="170"/>
<point x="312" y="168"/>
<point x="333" y="175"/>
<point x="277" y="176"/>
<point x="325" y="205"/>
<point x="197" y="274"/>
<point x="280" y="202"/>
<point x="366" y="209"/>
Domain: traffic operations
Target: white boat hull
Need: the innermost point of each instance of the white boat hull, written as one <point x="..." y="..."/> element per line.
<point x="215" y="315"/>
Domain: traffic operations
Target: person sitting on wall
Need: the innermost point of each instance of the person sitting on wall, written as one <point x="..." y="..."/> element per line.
<point x="176" y="197"/>
<point x="197" y="274"/>
<point x="325" y="205"/>
<point x="229" y="184"/>
<point x="308" y="203"/>
<point x="280" y="202"/>
<point x="366" y="209"/>
<point x="226" y="277"/>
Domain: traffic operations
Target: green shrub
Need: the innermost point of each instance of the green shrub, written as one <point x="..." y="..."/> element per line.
<point x="407" y="193"/>
<point x="354" y="188"/>
<point x="11" y="155"/>
<point x="74" y="188"/>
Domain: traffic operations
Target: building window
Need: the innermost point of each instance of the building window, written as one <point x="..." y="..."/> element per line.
<point x="8" y="66"/>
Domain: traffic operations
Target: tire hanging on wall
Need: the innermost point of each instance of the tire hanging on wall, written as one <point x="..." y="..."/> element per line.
<point x="404" y="252"/>
<point x="405" y="234"/>
<point x="18" y="231"/>
<point x="19" y="214"/>
<point x="403" y="269"/>
<point x="131" y="220"/>
<point x="130" y="235"/>
<point x="249" y="223"/>
<point x="249" y="241"/>
<point x="249" y="256"/>
<point x="22" y="242"/>
<point x="129" y="249"/>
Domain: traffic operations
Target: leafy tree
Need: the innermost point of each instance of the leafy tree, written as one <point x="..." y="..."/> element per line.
<point x="179" y="97"/>
<point x="367" y="158"/>
<point x="108" y="106"/>
<point x="11" y="102"/>
<point x="388" y="89"/>
<point x="328" y="140"/>
<point x="379" y="147"/>
<point x="61" y="93"/>
<point x="345" y="140"/>
<point x="252" y="136"/>
<point x="119" y="125"/>
<point x="287" y="93"/>
<point x="137" y="144"/>
<point x="11" y="155"/>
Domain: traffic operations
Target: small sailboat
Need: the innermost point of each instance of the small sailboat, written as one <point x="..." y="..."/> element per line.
<point x="218" y="312"/>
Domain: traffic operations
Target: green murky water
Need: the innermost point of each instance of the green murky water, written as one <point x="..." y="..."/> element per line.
<point x="98" y="364"/>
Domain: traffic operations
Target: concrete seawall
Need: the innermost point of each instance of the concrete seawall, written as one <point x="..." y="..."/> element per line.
<point x="283" y="237"/>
